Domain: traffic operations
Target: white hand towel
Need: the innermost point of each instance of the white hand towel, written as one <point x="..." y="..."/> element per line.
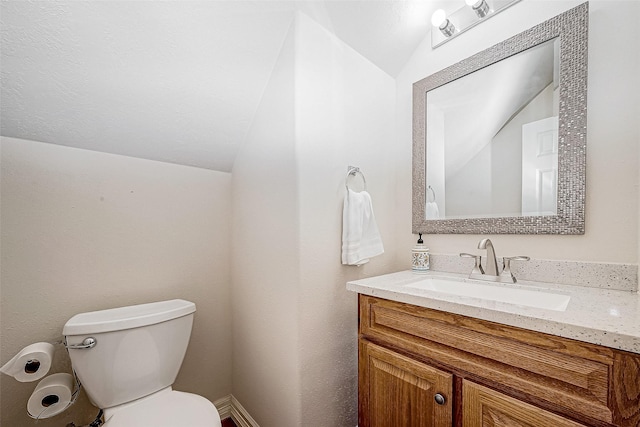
<point x="360" y="236"/>
<point x="432" y="210"/>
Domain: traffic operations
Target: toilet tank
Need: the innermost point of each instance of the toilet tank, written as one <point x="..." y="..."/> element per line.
<point x="139" y="349"/>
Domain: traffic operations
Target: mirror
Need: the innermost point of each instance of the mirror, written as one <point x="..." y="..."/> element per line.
<point x="493" y="139"/>
<point x="500" y="138"/>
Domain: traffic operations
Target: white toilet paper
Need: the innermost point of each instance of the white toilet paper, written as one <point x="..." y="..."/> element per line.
<point x="51" y="396"/>
<point x="32" y="363"/>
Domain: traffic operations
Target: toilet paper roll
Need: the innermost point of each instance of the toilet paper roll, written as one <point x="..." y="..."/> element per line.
<point x="51" y="396"/>
<point x="31" y="363"/>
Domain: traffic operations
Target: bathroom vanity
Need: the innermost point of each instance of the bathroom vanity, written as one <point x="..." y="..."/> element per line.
<point x="442" y="349"/>
<point x="432" y="358"/>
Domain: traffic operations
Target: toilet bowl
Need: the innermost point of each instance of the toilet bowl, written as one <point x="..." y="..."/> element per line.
<point x="166" y="408"/>
<point x="127" y="359"/>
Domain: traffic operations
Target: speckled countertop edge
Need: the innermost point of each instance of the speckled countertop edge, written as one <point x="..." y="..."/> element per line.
<point x="600" y="316"/>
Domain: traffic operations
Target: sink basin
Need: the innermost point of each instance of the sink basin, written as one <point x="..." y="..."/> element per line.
<point x="505" y="293"/>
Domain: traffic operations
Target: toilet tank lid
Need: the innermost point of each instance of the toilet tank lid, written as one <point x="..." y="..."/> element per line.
<point x="134" y="316"/>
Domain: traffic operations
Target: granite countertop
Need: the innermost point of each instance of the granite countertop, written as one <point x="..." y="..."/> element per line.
<point x="600" y="316"/>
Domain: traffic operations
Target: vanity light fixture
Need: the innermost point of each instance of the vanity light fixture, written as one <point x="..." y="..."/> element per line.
<point x="449" y="25"/>
<point x="480" y="7"/>
<point x="439" y="19"/>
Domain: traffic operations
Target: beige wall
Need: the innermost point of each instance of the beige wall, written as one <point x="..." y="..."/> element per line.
<point x="612" y="139"/>
<point x="84" y="231"/>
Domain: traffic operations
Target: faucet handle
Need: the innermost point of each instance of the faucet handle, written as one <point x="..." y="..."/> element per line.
<point x="507" y="275"/>
<point x="477" y="268"/>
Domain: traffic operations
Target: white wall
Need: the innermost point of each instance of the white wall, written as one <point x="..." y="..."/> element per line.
<point x="84" y="231"/>
<point x="469" y="189"/>
<point x="612" y="139"/>
<point x="265" y="256"/>
<point x="294" y="323"/>
<point x="507" y="181"/>
<point x="345" y="110"/>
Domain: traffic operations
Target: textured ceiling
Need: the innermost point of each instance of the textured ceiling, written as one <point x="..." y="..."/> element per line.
<point x="174" y="81"/>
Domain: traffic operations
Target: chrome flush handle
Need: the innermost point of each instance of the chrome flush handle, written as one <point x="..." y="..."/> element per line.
<point x="87" y="343"/>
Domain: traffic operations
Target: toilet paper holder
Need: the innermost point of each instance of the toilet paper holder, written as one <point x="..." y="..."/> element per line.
<point x="87" y="343"/>
<point x="53" y="395"/>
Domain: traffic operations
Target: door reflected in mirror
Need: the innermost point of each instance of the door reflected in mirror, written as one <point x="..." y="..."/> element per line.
<point x="492" y="139"/>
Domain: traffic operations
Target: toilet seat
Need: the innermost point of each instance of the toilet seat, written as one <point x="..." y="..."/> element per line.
<point x="166" y="408"/>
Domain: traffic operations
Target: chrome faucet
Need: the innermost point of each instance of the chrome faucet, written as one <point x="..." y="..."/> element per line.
<point x="490" y="272"/>
<point x="491" y="268"/>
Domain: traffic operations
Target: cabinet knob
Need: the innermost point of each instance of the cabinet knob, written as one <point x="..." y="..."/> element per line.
<point x="439" y="399"/>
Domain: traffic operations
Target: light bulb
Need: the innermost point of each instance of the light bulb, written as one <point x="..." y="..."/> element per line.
<point x="438" y="18"/>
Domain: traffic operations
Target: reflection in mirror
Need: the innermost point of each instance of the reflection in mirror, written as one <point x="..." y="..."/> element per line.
<point x="499" y="138"/>
<point x="493" y="139"/>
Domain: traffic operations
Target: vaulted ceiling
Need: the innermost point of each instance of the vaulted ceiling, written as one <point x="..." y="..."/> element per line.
<point x="174" y="81"/>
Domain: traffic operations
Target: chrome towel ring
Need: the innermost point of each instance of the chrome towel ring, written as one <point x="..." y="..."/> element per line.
<point x="433" y="193"/>
<point x="353" y="171"/>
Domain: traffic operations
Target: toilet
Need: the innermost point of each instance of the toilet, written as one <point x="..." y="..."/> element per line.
<point x="127" y="359"/>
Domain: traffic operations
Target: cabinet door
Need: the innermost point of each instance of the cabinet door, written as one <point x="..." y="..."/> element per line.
<point x="396" y="391"/>
<point x="484" y="407"/>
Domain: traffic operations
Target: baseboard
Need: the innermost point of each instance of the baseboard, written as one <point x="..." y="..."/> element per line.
<point x="223" y="405"/>
<point x="229" y="407"/>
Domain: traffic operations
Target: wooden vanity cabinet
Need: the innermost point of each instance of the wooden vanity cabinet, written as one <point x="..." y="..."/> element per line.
<point x="485" y="407"/>
<point x="401" y="391"/>
<point x="422" y="367"/>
